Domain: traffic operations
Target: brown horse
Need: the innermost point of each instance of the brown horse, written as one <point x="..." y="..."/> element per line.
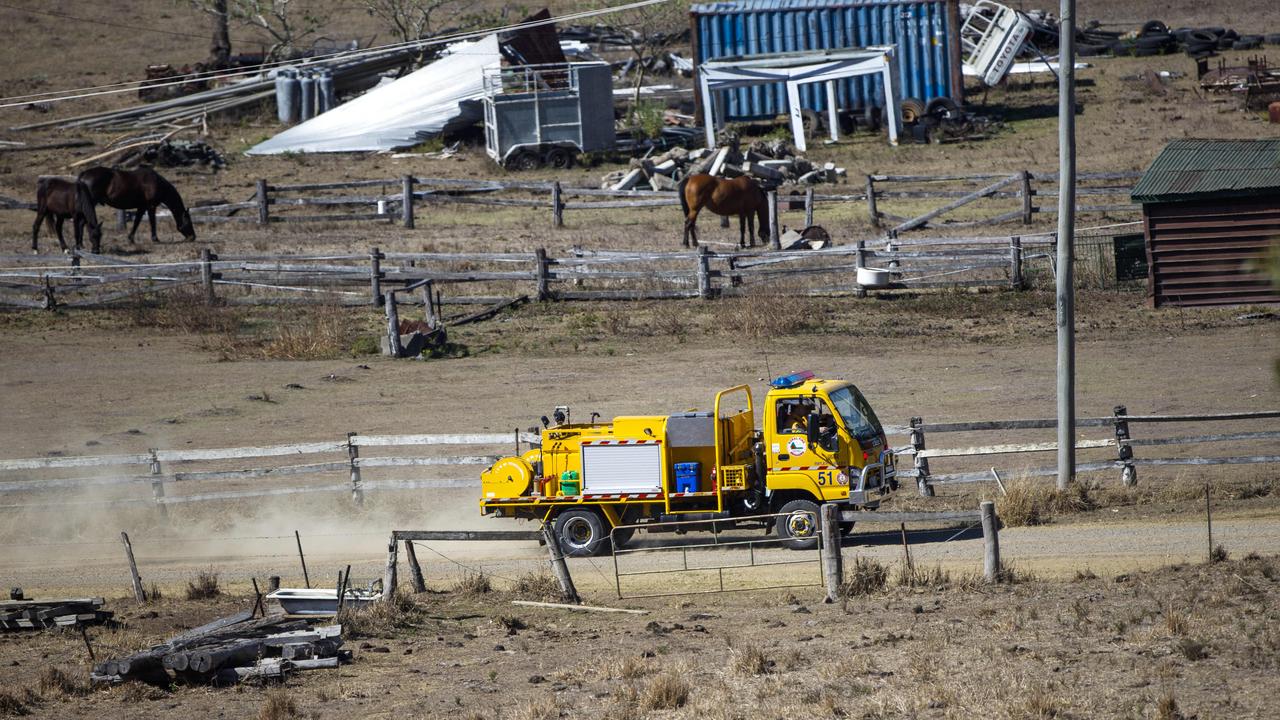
<point x="57" y="200"/>
<point x="138" y="190"/>
<point x="740" y="196"/>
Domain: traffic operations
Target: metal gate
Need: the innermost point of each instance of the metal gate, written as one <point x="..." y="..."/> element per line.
<point x="743" y="555"/>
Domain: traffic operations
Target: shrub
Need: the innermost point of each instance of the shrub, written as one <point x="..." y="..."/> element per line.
<point x="867" y="576"/>
<point x="278" y="706"/>
<point x="751" y="660"/>
<point x="473" y="583"/>
<point x="537" y="585"/>
<point x="667" y="691"/>
<point x="204" y="586"/>
<point x="379" y="618"/>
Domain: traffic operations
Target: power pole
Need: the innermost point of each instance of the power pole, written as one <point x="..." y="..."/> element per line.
<point x="1066" y="243"/>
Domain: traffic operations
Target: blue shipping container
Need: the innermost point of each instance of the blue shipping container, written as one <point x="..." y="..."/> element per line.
<point x="927" y="47"/>
<point x="687" y="476"/>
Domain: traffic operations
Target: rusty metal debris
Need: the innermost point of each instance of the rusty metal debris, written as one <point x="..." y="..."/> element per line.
<point x="1256" y="83"/>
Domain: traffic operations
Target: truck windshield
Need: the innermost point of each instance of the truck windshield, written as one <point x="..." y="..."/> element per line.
<point x="857" y="413"/>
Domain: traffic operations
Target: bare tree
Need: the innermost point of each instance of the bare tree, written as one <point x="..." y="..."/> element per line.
<point x="409" y="19"/>
<point x="286" y="28"/>
<point x="650" y="30"/>
<point x="220" y="49"/>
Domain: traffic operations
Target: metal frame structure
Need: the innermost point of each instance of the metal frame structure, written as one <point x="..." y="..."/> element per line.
<point x="544" y="96"/>
<point x="796" y="69"/>
<point x="716" y="542"/>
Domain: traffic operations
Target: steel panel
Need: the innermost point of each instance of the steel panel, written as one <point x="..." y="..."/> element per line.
<point x="621" y="468"/>
<point x="919" y="29"/>
<point x="1209" y="252"/>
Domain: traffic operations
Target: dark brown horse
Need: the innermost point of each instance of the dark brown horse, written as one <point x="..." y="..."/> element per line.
<point x="138" y="190"/>
<point x="740" y="196"/>
<point x="57" y="200"/>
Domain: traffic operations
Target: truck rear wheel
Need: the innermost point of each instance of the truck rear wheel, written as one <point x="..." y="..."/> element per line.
<point x="797" y="524"/>
<point x="581" y="533"/>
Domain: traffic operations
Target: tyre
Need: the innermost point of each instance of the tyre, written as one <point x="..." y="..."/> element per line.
<point x="1086" y="50"/>
<point x="1154" y="27"/>
<point x="912" y="110"/>
<point x="524" y="160"/>
<point x="1201" y="36"/>
<point x="1216" y="32"/>
<point x="1181" y="34"/>
<point x="797" y="524"/>
<point x="812" y="122"/>
<point x="560" y="158"/>
<point x="1156" y="41"/>
<point x="846" y="529"/>
<point x="1147" y="51"/>
<point x="622" y="537"/>
<point x="1243" y="44"/>
<point x="1272" y="38"/>
<point x="943" y="108"/>
<point x="581" y="533"/>
<point x="1196" y="48"/>
<point x="1231" y="35"/>
<point x="1226" y="43"/>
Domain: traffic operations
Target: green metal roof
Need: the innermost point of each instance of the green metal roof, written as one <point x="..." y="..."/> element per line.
<point x="1202" y="169"/>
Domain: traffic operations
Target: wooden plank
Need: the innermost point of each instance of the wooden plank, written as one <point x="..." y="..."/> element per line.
<point x="1011" y="448"/>
<point x="250" y="452"/>
<point x="470" y="439"/>
<point x="490" y="311"/>
<point x="1224" y="437"/>
<point x="83" y="461"/>
<point x="1234" y="460"/>
<point x="465" y="535"/>
<point x="1253" y="415"/>
<point x="971" y="197"/>
<point x="420" y="461"/>
<point x="583" y="608"/>
<point x="894" y="518"/>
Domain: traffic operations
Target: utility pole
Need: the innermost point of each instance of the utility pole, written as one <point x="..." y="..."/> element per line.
<point x="1066" y="243"/>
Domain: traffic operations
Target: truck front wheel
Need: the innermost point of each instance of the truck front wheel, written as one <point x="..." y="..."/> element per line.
<point x="581" y="533"/>
<point x="797" y="524"/>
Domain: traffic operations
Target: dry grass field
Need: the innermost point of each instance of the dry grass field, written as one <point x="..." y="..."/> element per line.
<point x="1114" y="611"/>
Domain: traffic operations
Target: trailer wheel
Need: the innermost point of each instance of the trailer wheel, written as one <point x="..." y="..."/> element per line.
<point x="524" y="160"/>
<point x="912" y="110"/>
<point x="559" y="158"/>
<point x="797" y="524"/>
<point x="581" y="533"/>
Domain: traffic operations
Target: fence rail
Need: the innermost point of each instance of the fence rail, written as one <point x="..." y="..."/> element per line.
<point x="400" y="197"/>
<point x="167" y="470"/>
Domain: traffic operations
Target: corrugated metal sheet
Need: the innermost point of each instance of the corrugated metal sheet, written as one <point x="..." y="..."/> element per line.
<point x="928" y="46"/>
<point x="1211" y="252"/>
<point x="1203" y="169"/>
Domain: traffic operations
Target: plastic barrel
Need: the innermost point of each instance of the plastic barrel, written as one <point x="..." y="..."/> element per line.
<point x="326" y="93"/>
<point x="308" y="86"/>
<point x="287" y="96"/>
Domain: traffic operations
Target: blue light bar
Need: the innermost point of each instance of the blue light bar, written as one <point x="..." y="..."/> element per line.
<point x="789" y="381"/>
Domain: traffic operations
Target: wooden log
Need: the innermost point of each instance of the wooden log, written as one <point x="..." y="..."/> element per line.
<point x="1027" y="209"/>
<point x="406" y="201"/>
<point x="704" y="272"/>
<point x="559" y="567"/>
<point x="990" y="542"/>
<point x="490" y="311"/>
<point x="808" y="207"/>
<point x="264" y="669"/>
<point x="1015" y="264"/>
<point x="389" y="573"/>
<point x="315" y="663"/>
<point x="873" y="214"/>
<point x="415" y="570"/>
<point x="832" y="560"/>
<point x="774" y="234"/>
<point x="375" y="275"/>
<point x="542" y="292"/>
<point x="139" y="593"/>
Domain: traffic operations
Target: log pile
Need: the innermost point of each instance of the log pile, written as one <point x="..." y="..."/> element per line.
<point x="773" y="163"/>
<point x="21" y="614"/>
<point x="230" y="650"/>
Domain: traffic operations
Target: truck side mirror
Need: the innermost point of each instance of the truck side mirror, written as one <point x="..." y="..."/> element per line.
<point x="812" y="428"/>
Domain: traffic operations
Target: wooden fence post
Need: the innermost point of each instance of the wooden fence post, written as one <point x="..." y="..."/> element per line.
<point x="559" y="567"/>
<point x="428" y="304"/>
<point x="375" y="274"/>
<point x="1128" y="473"/>
<point x="872" y="212"/>
<point x="357" y="483"/>
<point x="735" y="280"/>
<point x="543" y="273"/>
<point x="394" y="348"/>
<point x="704" y="272"/>
<point x="859" y="262"/>
<point x="990" y="542"/>
<point x="264" y="214"/>
<point x="774" y="237"/>
<point x="50" y="302"/>
<point x="157" y="485"/>
<point x="808" y="206"/>
<point x="1027" y="209"/>
<point x="415" y="570"/>
<point x="406" y="201"/>
<point x="138" y="593"/>
<point x="122" y="221"/>
<point x="206" y="275"/>
<point x="832" y="560"/>
<point x="1015" y="263"/>
<point x="921" y="463"/>
<point x="389" y="574"/>
<point x="557" y="206"/>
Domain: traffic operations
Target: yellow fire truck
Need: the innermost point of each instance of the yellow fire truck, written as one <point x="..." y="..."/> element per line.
<point x="821" y="442"/>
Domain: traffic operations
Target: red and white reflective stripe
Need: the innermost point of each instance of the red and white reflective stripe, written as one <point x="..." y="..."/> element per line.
<point x="811" y="467"/>
<point x="692" y="494"/>
<point x="621" y="442"/>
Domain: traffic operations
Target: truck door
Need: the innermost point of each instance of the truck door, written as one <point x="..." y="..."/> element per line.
<point x="790" y="451"/>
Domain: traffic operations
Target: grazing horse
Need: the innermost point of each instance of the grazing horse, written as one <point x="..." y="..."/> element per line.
<point x="740" y="196"/>
<point x="57" y="200"/>
<point x="138" y="190"/>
